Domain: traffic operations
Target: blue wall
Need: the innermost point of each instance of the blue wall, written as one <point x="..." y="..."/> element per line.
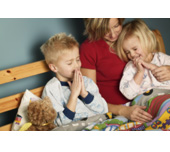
<point x="20" y="40"/>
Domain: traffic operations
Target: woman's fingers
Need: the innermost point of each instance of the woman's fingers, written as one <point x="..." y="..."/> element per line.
<point x="144" y="117"/>
<point x="162" y="73"/>
<point x="138" y="114"/>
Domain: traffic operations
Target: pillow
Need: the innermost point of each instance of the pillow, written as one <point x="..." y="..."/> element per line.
<point x="21" y="117"/>
<point x="142" y="100"/>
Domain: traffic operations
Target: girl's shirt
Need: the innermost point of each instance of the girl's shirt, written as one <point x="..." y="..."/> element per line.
<point x="109" y="69"/>
<point x="130" y="89"/>
<point x="59" y="93"/>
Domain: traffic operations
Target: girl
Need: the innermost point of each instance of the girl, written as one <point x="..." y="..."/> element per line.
<point x="138" y="44"/>
<point x="104" y="67"/>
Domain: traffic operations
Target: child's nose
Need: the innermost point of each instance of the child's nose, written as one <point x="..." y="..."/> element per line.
<point x="76" y="66"/>
<point x="132" y="54"/>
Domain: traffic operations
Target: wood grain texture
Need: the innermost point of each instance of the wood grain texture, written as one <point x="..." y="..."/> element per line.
<point x="13" y="102"/>
<point x="23" y="71"/>
<point x="6" y="127"/>
<point x="160" y="41"/>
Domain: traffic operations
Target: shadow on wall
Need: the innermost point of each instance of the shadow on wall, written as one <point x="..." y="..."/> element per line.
<point x="78" y="28"/>
<point x="35" y="50"/>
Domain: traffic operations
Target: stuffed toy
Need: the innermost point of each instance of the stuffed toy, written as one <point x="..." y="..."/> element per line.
<point x="41" y="116"/>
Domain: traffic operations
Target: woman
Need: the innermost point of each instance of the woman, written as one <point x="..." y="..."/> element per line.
<point x="104" y="67"/>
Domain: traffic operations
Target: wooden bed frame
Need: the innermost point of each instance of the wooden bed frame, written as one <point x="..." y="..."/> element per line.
<point x="28" y="70"/>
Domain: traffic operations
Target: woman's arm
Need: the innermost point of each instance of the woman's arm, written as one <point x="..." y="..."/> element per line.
<point x="134" y="113"/>
<point x="89" y="73"/>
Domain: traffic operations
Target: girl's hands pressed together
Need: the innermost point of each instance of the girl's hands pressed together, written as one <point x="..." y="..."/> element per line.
<point x="138" y="62"/>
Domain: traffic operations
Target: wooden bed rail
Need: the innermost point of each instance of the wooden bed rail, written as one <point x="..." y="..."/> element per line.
<point x="16" y="73"/>
<point x="23" y="71"/>
<point x="13" y="102"/>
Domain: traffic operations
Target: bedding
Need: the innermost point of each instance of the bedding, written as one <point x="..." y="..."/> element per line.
<point x="158" y="105"/>
<point x="21" y="117"/>
<point x="156" y="100"/>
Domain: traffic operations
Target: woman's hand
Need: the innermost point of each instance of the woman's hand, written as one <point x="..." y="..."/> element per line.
<point x="162" y="73"/>
<point x="137" y="113"/>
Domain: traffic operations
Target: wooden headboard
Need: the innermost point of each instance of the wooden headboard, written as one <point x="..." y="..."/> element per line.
<point x="28" y="70"/>
<point x="14" y="74"/>
<point x="160" y="41"/>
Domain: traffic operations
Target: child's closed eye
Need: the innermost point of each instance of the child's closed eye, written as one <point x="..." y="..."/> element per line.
<point x="134" y="49"/>
<point x="69" y="63"/>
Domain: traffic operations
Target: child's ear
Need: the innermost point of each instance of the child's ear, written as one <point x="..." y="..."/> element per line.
<point x="53" y="68"/>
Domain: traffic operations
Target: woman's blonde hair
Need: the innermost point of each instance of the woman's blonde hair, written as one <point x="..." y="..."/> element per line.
<point x="139" y="29"/>
<point x="56" y="45"/>
<point x="97" y="28"/>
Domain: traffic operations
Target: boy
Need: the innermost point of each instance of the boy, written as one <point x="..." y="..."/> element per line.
<point x="73" y="96"/>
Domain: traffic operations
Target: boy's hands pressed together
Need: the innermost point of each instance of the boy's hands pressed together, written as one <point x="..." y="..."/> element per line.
<point x="75" y="86"/>
<point x="83" y="91"/>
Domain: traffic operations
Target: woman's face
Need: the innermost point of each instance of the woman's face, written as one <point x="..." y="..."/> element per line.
<point x="115" y="29"/>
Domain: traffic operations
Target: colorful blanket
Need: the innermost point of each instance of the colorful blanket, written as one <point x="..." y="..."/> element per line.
<point x="158" y="105"/>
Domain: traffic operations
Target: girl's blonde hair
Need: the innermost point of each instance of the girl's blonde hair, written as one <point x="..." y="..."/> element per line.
<point x="56" y="45"/>
<point x="97" y="28"/>
<point x="139" y="29"/>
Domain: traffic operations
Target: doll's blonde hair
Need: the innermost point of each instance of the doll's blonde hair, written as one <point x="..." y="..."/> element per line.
<point x="56" y="45"/>
<point x="97" y="28"/>
<point x="139" y="29"/>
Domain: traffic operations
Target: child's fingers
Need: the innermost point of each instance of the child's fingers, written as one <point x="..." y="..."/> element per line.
<point x="81" y="77"/>
<point x="69" y="83"/>
<point x="76" y="75"/>
<point x="77" y="78"/>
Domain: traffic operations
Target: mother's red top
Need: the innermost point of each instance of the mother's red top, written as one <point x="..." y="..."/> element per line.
<point x="109" y="69"/>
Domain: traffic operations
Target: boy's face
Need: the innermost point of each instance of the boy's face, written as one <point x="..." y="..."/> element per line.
<point x="67" y="63"/>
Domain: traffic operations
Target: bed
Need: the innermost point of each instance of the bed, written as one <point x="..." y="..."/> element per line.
<point x="15" y="73"/>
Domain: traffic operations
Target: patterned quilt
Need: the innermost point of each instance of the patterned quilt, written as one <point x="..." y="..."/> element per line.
<point x="157" y="102"/>
<point x="158" y="105"/>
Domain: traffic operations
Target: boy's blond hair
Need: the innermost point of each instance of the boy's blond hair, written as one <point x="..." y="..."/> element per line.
<point x="57" y="45"/>
<point x="97" y="28"/>
<point x="139" y="29"/>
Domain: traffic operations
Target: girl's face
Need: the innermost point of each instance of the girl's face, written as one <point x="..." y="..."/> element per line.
<point x="133" y="49"/>
<point x="67" y="63"/>
<point x="115" y="30"/>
